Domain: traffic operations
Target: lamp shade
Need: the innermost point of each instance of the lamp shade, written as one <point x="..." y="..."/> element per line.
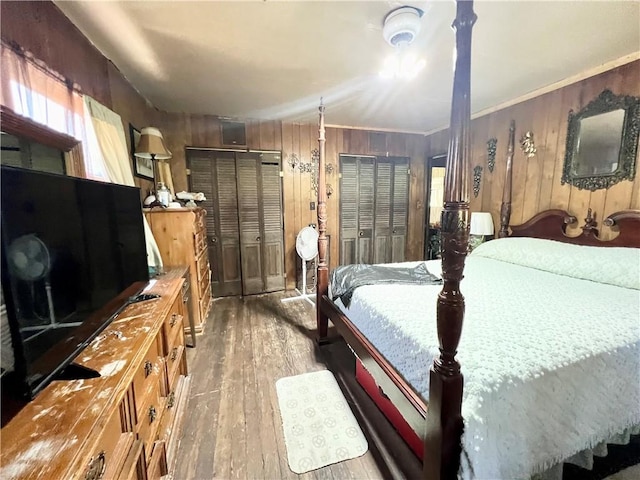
<point x="151" y="145"/>
<point x="481" y="223"/>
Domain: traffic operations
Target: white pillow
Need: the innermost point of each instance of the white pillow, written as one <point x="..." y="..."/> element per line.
<point x="612" y="265"/>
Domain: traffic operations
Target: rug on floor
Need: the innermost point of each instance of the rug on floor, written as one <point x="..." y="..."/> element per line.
<point x="319" y="428"/>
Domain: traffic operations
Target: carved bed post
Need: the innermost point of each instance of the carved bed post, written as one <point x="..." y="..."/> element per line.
<point x="505" y="207"/>
<point x="323" y="269"/>
<point x="444" y="417"/>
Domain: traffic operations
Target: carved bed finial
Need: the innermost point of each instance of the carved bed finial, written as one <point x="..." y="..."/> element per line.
<point x="590" y="225"/>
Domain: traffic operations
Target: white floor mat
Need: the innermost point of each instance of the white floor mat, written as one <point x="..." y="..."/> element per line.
<point x="319" y="428"/>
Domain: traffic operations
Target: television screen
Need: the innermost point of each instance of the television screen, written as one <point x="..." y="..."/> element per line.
<point x="73" y="253"/>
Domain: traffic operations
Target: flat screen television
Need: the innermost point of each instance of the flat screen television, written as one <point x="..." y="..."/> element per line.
<point x="73" y="256"/>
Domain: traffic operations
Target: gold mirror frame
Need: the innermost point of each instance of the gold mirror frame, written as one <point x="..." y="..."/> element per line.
<point x="607" y="101"/>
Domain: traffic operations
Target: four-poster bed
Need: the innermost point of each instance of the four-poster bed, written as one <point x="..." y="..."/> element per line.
<point x="441" y="424"/>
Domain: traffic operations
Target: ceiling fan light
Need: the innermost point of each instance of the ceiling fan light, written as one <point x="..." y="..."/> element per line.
<point x="401" y="25"/>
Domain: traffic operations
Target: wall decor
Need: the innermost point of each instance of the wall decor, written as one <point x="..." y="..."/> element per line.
<point x="293" y="161"/>
<point x="527" y="144"/>
<point x="328" y="168"/>
<point x="602" y="142"/>
<point x="477" y="177"/>
<point x="492" y="144"/>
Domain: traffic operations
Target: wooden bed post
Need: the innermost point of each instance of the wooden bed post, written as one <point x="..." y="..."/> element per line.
<point x="444" y="417"/>
<point x="505" y="207"/>
<point x="323" y="269"/>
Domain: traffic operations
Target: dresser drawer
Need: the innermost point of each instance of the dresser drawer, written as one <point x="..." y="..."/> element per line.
<point x="199" y="242"/>
<point x="173" y="323"/>
<point x="157" y="463"/>
<point x="149" y="420"/>
<point x="110" y="451"/>
<point x="147" y="377"/>
<point x="204" y="302"/>
<point x="133" y="464"/>
<point x="202" y="266"/>
<point x="174" y="362"/>
<point x="200" y="221"/>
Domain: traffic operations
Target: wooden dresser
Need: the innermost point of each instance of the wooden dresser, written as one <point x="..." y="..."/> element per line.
<point x="182" y="239"/>
<point x="125" y="424"/>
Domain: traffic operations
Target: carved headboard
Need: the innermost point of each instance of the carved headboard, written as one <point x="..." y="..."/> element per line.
<point x="552" y="225"/>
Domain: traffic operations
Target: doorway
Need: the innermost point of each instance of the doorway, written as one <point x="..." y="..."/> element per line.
<point x="436" y="166"/>
<point x="244" y="218"/>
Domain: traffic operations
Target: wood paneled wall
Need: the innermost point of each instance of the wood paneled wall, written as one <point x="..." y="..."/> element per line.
<point x="297" y="139"/>
<point x="42" y="29"/>
<point x="536" y="181"/>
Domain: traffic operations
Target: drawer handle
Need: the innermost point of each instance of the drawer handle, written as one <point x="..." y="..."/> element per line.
<point x="171" y="400"/>
<point x="97" y="467"/>
<point x="148" y="368"/>
<point x="174" y="353"/>
<point x="152" y="414"/>
<point x="173" y="320"/>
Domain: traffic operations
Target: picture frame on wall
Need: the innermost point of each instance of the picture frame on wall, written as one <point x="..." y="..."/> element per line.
<point x="142" y="167"/>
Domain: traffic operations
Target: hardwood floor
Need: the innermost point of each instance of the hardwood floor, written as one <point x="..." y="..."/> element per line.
<point x="233" y="427"/>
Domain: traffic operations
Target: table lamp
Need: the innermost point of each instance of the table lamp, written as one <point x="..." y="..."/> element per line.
<point x="481" y="228"/>
<point x="151" y="146"/>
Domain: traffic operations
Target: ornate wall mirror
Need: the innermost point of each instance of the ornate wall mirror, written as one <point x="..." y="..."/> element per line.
<point x="602" y="141"/>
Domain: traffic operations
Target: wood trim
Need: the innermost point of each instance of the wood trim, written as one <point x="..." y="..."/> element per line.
<point x="591" y="72"/>
<point x="23" y="127"/>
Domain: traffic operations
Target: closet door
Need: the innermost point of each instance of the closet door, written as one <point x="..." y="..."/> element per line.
<point x="247" y="170"/>
<point x="214" y="174"/>
<point x="261" y="223"/>
<point x="356" y="209"/>
<point x="383" y="197"/>
<point x="272" y="222"/>
<point x="400" y="207"/>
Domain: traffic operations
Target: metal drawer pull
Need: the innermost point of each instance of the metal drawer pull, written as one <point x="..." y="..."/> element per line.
<point x="97" y="467"/>
<point x="148" y="368"/>
<point x="174" y="353"/>
<point x="171" y="400"/>
<point x="174" y="317"/>
<point x="152" y="414"/>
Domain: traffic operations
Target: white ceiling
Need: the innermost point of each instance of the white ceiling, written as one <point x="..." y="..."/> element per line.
<point x="266" y="59"/>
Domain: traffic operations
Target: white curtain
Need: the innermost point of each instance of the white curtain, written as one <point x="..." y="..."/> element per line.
<point x="29" y="88"/>
<point x="105" y="131"/>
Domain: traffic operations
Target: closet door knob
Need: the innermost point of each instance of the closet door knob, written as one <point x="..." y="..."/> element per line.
<point x="361" y="234"/>
<point x="257" y="239"/>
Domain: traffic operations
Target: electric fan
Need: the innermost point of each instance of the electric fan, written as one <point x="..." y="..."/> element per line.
<point x="307" y="248"/>
<point x="28" y="259"/>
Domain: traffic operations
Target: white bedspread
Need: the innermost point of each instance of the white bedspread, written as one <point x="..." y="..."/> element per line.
<point x="548" y="372"/>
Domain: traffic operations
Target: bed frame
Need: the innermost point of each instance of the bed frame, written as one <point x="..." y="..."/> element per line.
<point x="443" y="418"/>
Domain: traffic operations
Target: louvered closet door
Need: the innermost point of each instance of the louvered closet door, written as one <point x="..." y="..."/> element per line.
<point x="214" y="174"/>
<point x="400" y="207"/>
<point x="247" y="171"/>
<point x="261" y="231"/>
<point x="382" y="230"/>
<point x="356" y="209"/>
<point x="272" y="223"/>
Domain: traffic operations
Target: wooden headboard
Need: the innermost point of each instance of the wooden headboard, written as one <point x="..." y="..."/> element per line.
<point x="552" y="225"/>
